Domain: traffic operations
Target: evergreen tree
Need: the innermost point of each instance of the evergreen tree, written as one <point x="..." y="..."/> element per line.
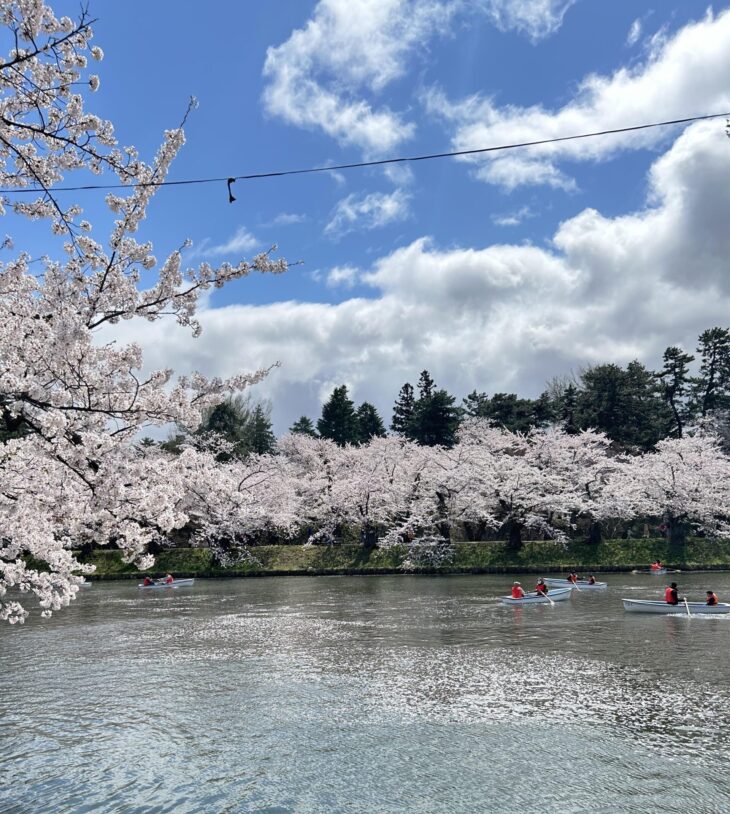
<point x="476" y="404"/>
<point x="436" y="419"/>
<point x="568" y="408"/>
<point x="303" y="426"/>
<point x="674" y="382"/>
<point x="425" y="385"/>
<point x="403" y="411"/>
<point x="338" y="421"/>
<point x="712" y="387"/>
<point x="625" y="404"/>
<point x="369" y="423"/>
<point x="260" y="438"/>
<point x="507" y="410"/>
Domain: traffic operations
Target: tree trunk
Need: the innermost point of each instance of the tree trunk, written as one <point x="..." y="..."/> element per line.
<point x="595" y="533"/>
<point x="514" y="535"/>
<point x="676" y="535"/>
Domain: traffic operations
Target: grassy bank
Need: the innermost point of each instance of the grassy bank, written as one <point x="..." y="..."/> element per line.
<point x="491" y="557"/>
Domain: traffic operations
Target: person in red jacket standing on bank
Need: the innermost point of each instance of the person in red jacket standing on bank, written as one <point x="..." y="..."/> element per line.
<point x="671" y="597"/>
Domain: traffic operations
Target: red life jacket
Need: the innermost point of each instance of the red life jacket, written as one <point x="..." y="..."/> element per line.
<point x="517" y="592"/>
<point x="670" y="596"/>
<point x="169" y="580"/>
<point x="712" y="599"/>
<point x="541" y="589"/>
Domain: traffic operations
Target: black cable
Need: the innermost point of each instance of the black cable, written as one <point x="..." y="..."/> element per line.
<point x="378" y="163"/>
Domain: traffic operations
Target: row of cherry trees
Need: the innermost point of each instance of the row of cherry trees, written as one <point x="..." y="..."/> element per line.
<point x="544" y="482"/>
<point x="71" y="406"/>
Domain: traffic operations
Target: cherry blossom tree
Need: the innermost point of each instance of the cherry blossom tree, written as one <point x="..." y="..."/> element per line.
<point x="686" y="481"/>
<point x="70" y="405"/>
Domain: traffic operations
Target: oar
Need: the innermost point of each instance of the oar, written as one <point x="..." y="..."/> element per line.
<point x="548" y="599"/>
<point x="687" y="606"/>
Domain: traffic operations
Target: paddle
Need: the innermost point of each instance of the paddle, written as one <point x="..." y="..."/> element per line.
<point x="687" y="606"/>
<point x="548" y="599"/>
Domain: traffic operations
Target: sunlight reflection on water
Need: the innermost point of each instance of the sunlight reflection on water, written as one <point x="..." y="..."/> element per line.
<point x="360" y="695"/>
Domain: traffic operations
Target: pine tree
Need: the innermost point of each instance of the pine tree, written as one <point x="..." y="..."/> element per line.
<point x="567" y="407"/>
<point x="303" y="426"/>
<point x="403" y="411"/>
<point x="712" y="386"/>
<point x="369" y="423"/>
<point x="338" y="421"/>
<point x="260" y="437"/>
<point x="425" y="385"/>
<point x="674" y="385"/>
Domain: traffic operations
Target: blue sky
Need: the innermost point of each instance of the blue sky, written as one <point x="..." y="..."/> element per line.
<point x="492" y="274"/>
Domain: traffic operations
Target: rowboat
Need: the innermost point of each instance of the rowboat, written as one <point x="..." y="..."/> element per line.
<point x="534" y="598"/>
<point x="657" y="606"/>
<point x="656" y="571"/>
<point x="581" y="584"/>
<point x="176" y="583"/>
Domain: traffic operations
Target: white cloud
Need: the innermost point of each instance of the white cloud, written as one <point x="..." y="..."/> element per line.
<point x="634" y="32"/>
<point x="344" y="276"/>
<point x="242" y="242"/>
<point x="368" y="212"/>
<point x="514" y="218"/>
<point x="687" y="74"/>
<point x="318" y="78"/>
<point x="330" y="74"/>
<point x="286" y="219"/>
<point x="535" y="18"/>
<point x="504" y="317"/>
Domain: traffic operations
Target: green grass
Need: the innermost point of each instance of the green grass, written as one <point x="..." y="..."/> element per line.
<point x="468" y="557"/>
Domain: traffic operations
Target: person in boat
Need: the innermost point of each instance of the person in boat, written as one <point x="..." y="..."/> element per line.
<point x="671" y="597"/>
<point x="573" y="577"/>
<point x="711" y="598"/>
<point x="148" y="581"/>
<point x="541" y="587"/>
<point x="656" y="566"/>
<point x="168" y="579"/>
<point x="517" y="592"/>
<point x="591" y="580"/>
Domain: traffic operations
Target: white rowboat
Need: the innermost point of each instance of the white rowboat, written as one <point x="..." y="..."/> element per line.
<point x="658" y="572"/>
<point x="657" y="606"/>
<point x="581" y="584"/>
<point x="176" y="583"/>
<point x="534" y="598"/>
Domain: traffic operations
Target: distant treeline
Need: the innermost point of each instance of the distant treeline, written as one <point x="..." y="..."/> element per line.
<point x="635" y="407"/>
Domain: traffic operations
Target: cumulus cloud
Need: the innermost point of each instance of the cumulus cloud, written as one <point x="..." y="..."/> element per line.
<point x="683" y="75"/>
<point x="330" y="74"/>
<point x="320" y="76"/>
<point x="368" y="212"/>
<point x="497" y="318"/>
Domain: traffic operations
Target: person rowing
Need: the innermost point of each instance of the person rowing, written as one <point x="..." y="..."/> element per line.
<point x="573" y="577"/>
<point x="147" y="581"/>
<point x="517" y="592"/>
<point x="671" y="597"/>
<point x="656" y="566"/>
<point x="711" y="598"/>
<point x="541" y="587"/>
<point x="591" y="580"/>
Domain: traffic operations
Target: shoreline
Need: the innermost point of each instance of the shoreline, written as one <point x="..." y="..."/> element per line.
<point x="536" y="557"/>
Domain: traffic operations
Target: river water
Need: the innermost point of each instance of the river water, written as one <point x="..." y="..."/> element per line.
<point x="365" y="694"/>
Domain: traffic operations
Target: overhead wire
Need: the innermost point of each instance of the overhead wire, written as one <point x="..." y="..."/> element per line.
<point x="229" y="180"/>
